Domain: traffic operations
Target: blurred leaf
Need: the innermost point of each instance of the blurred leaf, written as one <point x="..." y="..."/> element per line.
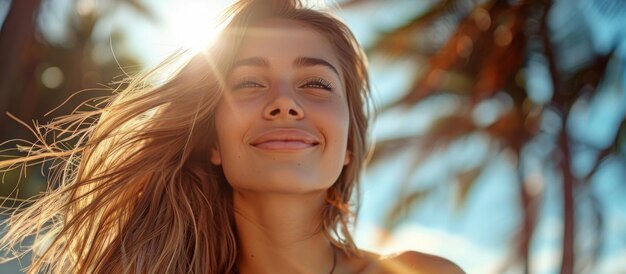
<point x="390" y="147"/>
<point x="402" y="207"/>
<point x="507" y="54"/>
<point x="466" y="180"/>
<point x="398" y="42"/>
<point x="616" y="148"/>
<point x="453" y="56"/>
<point x="440" y="134"/>
<point x="510" y="129"/>
<point x="447" y="129"/>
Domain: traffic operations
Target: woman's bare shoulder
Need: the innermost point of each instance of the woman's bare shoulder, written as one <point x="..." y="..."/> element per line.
<point x="410" y="262"/>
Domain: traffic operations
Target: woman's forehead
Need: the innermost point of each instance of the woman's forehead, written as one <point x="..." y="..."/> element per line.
<point x="282" y="37"/>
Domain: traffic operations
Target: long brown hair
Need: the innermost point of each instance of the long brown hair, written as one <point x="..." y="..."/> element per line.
<point x="136" y="193"/>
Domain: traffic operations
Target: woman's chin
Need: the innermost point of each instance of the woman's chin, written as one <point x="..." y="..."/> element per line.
<point x="282" y="178"/>
<point x="282" y="184"/>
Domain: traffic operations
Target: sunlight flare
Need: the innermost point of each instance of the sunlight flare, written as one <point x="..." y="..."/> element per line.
<point x="192" y="24"/>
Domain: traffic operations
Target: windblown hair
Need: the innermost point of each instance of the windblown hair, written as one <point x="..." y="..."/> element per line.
<point x="136" y="193"/>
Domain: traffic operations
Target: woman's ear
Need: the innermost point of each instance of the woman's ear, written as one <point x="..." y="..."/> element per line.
<point x="346" y="161"/>
<point x="216" y="156"/>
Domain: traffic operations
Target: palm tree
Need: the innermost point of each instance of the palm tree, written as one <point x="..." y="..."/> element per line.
<point x="27" y="55"/>
<point x="26" y="51"/>
<point x="39" y="71"/>
<point x="485" y="60"/>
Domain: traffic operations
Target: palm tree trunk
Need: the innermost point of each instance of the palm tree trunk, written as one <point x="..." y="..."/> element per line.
<point x="15" y="37"/>
<point x="562" y="101"/>
<point x="528" y="222"/>
<point x="567" y="262"/>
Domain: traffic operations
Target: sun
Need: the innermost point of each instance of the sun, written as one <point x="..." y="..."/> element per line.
<point x="192" y="24"/>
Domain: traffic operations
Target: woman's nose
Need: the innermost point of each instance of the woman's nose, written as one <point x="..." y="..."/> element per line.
<point x="283" y="106"/>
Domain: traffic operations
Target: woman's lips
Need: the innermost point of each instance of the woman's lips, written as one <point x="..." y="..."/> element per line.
<point x="283" y="145"/>
<point x="284" y="139"/>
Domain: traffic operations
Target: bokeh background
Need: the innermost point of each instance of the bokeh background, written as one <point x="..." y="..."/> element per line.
<point x="500" y="130"/>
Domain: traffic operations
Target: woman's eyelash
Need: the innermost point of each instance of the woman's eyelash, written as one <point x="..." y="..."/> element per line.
<point x="311" y="83"/>
<point x="318" y="83"/>
<point x="248" y="83"/>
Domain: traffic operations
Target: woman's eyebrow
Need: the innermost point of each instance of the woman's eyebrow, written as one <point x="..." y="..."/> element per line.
<point x="298" y="63"/>
<point x="309" y="62"/>
<point x="252" y="61"/>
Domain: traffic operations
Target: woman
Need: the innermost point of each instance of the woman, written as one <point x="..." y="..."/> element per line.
<point x="243" y="161"/>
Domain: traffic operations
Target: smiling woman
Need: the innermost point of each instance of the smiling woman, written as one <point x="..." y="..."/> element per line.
<point x="243" y="161"/>
<point x="285" y="118"/>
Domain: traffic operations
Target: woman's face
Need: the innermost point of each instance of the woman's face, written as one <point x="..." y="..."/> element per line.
<point x="282" y="125"/>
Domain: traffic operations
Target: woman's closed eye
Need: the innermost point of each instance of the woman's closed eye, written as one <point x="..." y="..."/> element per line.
<point x="315" y="83"/>
<point x="248" y="83"/>
<point x="318" y="83"/>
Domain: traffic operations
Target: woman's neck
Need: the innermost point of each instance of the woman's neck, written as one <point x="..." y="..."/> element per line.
<point x="281" y="233"/>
